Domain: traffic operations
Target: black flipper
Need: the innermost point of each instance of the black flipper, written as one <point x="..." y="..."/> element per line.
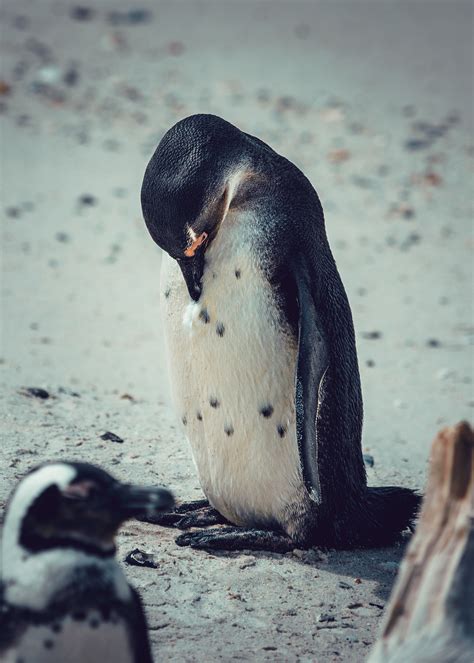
<point x="328" y="405"/>
<point x="139" y="631"/>
<point x="313" y="360"/>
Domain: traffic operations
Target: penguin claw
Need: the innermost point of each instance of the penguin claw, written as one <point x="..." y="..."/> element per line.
<point x="201" y="518"/>
<point x="236" y="538"/>
<point x="180" y="512"/>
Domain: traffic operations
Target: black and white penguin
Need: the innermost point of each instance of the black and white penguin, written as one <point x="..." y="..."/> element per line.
<point x="261" y="348"/>
<point x="63" y="597"/>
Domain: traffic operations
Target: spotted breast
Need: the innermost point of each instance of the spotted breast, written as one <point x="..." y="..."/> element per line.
<point x="232" y="363"/>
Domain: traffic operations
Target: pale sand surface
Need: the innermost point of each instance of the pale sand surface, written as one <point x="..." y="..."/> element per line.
<point x="382" y="88"/>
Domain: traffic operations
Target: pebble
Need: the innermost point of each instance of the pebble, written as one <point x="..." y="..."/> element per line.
<point x="35" y="392"/>
<point x="369" y="460"/>
<point x="87" y="200"/>
<point x="139" y="557"/>
<point x="111" y="437"/>
<point x="372" y="335"/>
<point x="82" y="13"/>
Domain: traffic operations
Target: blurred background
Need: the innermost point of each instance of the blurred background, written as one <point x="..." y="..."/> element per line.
<point x="373" y="100"/>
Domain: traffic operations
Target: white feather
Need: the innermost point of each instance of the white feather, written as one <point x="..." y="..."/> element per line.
<point x="252" y="475"/>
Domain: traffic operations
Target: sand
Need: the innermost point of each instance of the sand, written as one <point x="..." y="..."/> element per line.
<point x="374" y="102"/>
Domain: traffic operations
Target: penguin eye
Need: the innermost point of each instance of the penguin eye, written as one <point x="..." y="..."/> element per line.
<point x="80" y="490"/>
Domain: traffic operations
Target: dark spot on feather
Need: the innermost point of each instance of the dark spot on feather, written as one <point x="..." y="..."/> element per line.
<point x="220" y="329"/>
<point x="56" y="628"/>
<point x="204" y="316"/>
<point x="229" y="430"/>
<point x="213" y="402"/>
<point x="48" y="644"/>
<point x="238" y="273"/>
<point x="79" y="615"/>
<point x="281" y="430"/>
<point x="184" y="420"/>
<point x="94" y="623"/>
<point x="167" y="292"/>
<point x="198" y="416"/>
<point x="266" y="411"/>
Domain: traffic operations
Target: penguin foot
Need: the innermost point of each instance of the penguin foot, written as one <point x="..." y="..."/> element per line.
<point x="237" y="538"/>
<point x="201" y="518"/>
<point x="179" y="512"/>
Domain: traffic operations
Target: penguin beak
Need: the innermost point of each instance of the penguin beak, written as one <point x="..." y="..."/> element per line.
<point x="134" y="501"/>
<point x="192" y="269"/>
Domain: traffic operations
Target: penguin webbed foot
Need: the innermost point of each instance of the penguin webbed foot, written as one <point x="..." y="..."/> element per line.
<point x="237" y="538"/>
<point x="201" y="518"/>
<point x="186" y="512"/>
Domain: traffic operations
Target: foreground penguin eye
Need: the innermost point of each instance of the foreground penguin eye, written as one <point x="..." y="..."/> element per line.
<point x="80" y="490"/>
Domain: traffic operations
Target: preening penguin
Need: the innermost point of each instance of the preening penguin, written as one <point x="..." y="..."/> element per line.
<point x="63" y="597"/>
<point x="261" y="348"/>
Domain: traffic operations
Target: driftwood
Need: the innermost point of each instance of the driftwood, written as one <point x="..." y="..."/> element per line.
<point x="430" y="615"/>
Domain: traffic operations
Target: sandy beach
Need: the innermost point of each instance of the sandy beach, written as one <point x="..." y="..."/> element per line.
<point x="373" y="101"/>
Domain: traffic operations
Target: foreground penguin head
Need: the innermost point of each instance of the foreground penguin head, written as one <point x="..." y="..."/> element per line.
<point x="73" y="506"/>
<point x="187" y="189"/>
<point x="63" y="597"/>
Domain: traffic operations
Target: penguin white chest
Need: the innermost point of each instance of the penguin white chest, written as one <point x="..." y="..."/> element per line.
<point x="82" y="637"/>
<point x="232" y="363"/>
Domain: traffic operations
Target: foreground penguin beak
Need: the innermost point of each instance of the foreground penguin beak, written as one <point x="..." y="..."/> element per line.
<point x="136" y="501"/>
<point x="192" y="269"/>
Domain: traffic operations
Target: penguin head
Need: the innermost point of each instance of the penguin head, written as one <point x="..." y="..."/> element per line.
<point x="74" y="505"/>
<point x="187" y="188"/>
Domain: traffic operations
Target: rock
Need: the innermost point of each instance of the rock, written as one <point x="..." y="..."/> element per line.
<point x="5" y="88"/>
<point x="372" y="335"/>
<point x="35" y="392"/>
<point x="139" y="557"/>
<point x="326" y="617"/>
<point x="368" y="460"/>
<point x="82" y="13"/>
<point x="87" y="200"/>
<point x="111" y="437"/>
<point x="339" y="156"/>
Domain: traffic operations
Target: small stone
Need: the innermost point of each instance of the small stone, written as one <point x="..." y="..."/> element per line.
<point x="139" y="557"/>
<point x="82" y="13"/>
<point x="176" y="48"/>
<point x="62" y="237"/>
<point x="87" y="200"/>
<point x="368" y="460"/>
<point x="35" y="392"/>
<point x="339" y="156"/>
<point x="344" y="585"/>
<point x="416" y="144"/>
<point x="13" y="212"/>
<point x="111" y="437"/>
<point x="5" y="88"/>
<point x="326" y="618"/>
<point x="371" y="335"/>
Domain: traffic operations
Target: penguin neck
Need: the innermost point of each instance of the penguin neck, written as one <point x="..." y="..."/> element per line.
<point x="33" y="579"/>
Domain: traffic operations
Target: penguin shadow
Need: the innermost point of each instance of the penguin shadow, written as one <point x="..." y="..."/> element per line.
<point x="351" y="568"/>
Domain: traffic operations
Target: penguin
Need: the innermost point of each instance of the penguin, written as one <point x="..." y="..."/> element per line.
<point x="261" y="349"/>
<point x="63" y="597"/>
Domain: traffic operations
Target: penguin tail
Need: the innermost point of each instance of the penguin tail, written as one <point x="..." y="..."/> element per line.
<point x="386" y="512"/>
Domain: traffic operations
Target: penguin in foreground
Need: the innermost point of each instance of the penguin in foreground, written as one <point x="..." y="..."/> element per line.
<point x="63" y="597"/>
<point x="261" y="349"/>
